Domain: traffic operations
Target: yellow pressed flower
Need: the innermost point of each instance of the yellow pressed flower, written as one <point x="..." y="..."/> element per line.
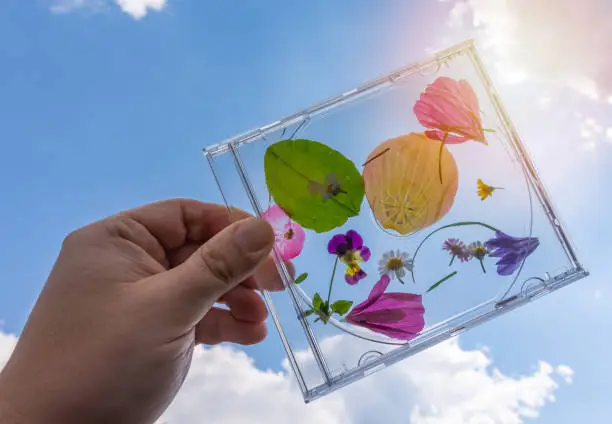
<point x="485" y="190"/>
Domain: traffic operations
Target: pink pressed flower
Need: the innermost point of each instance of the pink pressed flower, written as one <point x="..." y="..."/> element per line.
<point x="450" y="110"/>
<point x="457" y="249"/>
<point x="397" y="315"/>
<point x="289" y="235"/>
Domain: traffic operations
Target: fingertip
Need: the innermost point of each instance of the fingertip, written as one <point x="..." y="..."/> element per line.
<point x="220" y="326"/>
<point x="257" y="334"/>
<point x="246" y="305"/>
<point x="254" y="236"/>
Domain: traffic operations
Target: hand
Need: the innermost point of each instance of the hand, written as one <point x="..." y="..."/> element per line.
<point x="111" y="337"/>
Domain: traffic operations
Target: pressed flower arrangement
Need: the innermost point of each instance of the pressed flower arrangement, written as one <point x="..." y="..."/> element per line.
<point x="408" y="216"/>
<point x="410" y="182"/>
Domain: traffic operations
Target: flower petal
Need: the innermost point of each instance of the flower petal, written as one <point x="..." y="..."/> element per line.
<point x="397" y="315"/>
<point x="377" y="291"/>
<point x="289" y="249"/>
<point x="365" y="253"/>
<point x="507" y="268"/>
<point x="337" y="245"/>
<point x="450" y="139"/>
<point x="354" y="240"/>
<point x="276" y="217"/>
<point x="406" y="333"/>
<point x="354" y="279"/>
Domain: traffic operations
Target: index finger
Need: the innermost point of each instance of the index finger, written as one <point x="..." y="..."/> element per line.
<point x="179" y="221"/>
<point x="183" y="225"/>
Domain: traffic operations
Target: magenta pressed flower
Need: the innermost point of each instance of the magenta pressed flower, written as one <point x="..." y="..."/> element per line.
<point x="396" y="315"/>
<point x="457" y="249"/>
<point x="289" y="235"/>
<point x="512" y="251"/>
<point x="350" y="250"/>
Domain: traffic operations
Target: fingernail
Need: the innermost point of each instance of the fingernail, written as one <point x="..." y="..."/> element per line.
<point x="254" y="235"/>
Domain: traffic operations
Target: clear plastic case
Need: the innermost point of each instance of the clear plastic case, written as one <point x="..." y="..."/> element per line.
<point x="413" y="207"/>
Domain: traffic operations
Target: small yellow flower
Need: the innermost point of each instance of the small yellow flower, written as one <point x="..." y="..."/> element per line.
<point x="485" y="190"/>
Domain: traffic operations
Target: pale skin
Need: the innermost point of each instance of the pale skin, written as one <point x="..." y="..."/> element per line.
<point x="111" y="336"/>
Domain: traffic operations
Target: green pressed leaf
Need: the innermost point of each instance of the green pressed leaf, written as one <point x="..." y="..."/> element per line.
<point x="317" y="302"/>
<point x="292" y="167"/>
<point x="308" y="312"/>
<point x="301" y="278"/>
<point x="452" y="274"/>
<point x="341" y="307"/>
<point x="317" y="319"/>
<point x="325" y="309"/>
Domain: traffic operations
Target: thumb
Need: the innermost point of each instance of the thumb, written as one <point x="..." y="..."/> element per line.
<point x="219" y="265"/>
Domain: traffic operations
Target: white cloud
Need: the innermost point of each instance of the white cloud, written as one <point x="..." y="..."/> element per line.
<point x="446" y="384"/>
<point x="139" y="8"/>
<point x="66" y="6"/>
<point x="566" y="372"/>
<point x="609" y="133"/>
<point x="7" y="343"/>
<point x="563" y="41"/>
<point x="136" y="8"/>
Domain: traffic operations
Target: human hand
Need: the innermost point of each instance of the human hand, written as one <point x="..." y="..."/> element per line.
<point x="111" y="336"/>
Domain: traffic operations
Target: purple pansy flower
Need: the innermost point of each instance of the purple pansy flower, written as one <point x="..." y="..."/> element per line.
<point x="350" y="250"/>
<point x="396" y="315"/>
<point x="512" y="251"/>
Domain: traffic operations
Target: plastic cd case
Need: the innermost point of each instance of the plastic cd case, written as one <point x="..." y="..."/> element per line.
<point x="410" y="210"/>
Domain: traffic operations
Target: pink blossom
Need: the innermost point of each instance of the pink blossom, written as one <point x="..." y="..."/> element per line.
<point x="289" y="235"/>
<point x="397" y="315"/>
<point x="449" y="108"/>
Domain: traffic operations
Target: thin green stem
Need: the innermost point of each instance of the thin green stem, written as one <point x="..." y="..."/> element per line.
<point x="452" y="274"/>
<point x="440" y="155"/>
<point x="452" y="260"/>
<point x="456" y="224"/>
<point x="331" y="281"/>
<point x="482" y="266"/>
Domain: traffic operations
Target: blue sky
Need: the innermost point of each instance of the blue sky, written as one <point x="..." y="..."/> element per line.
<point x="100" y="112"/>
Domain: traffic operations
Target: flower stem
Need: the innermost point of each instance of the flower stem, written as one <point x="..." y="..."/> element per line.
<point x="452" y="274"/>
<point x="482" y="266"/>
<point x="440" y="155"/>
<point x="331" y="281"/>
<point x="456" y="224"/>
<point x="452" y="260"/>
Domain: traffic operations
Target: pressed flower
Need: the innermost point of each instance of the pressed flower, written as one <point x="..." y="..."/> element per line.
<point x="401" y="186"/>
<point x="512" y="251"/>
<point x="330" y="188"/>
<point x="485" y="190"/>
<point x="396" y="315"/>
<point x="457" y="249"/>
<point x="289" y="236"/>
<point x="395" y="264"/>
<point x="479" y="250"/>
<point x="350" y="250"/>
<point x="449" y="108"/>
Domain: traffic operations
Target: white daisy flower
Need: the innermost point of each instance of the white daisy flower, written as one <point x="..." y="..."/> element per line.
<point x="395" y="264"/>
